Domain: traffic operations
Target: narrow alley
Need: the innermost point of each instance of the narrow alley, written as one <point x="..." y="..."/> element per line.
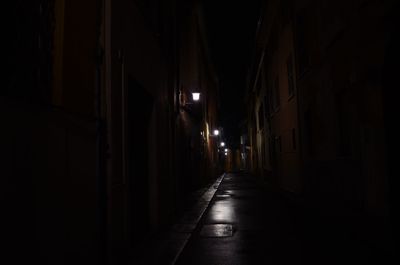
<point x="244" y="224"/>
<point x="179" y="132"/>
<point x="247" y="222"/>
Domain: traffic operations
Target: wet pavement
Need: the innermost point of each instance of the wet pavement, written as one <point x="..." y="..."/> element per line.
<point x="248" y="223"/>
<point x="165" y="248"/>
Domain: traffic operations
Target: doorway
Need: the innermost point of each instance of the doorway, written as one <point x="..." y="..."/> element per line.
<point x="139" y="106"/>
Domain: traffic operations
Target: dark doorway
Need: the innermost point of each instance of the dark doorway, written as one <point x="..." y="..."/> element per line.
<point x="139" y="108"/>
<point x="390" y="103"/>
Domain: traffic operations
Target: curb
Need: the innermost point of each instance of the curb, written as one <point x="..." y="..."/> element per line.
<point x="200" y="207"/>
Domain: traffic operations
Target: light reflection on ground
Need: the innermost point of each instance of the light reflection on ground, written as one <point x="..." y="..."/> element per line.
<point x="223" y="196"/>
<point x="222" y="211"/>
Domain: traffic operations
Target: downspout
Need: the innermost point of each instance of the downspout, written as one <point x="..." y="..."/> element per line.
<point x="101" y="184"/>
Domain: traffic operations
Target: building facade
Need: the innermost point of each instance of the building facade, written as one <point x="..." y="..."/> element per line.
<point x="315" y="104"/>
<point x="273" y="100"/>
<point x="105" y="139"/>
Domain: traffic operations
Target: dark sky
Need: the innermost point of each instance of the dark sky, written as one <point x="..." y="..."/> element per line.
<point x="231" y="27"/>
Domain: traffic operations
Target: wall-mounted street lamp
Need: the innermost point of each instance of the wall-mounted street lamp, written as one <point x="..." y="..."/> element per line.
<point x="185" y="103"/>
<point x="222" y="144"/>
<point x="216" y="132"/>
<point x="191" y="105"/>
<point x="226" y="150"/>
<point x="196" y="96"/>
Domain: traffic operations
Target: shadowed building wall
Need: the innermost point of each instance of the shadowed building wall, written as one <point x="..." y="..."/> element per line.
<point x="327" y="140"/>
<point x="92" y="141"/>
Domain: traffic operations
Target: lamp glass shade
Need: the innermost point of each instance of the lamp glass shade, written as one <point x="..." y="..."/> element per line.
<point x="196" y="96"/>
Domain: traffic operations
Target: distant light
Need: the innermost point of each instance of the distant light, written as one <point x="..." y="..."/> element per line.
<point x="226" y="150"/>
<point x="216" y="132"/>
<point x="222" y="144"/>
<point x="196" y="96"/>
<point x="226" y="154"/>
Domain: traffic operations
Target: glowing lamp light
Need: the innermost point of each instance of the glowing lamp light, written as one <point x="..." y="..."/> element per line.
<point x="216" y="132"/>
<point x="196" y="96"/>
<point x="222" y="144"/>
<point x="226" y="150"/>
<point x="226" y="154"/>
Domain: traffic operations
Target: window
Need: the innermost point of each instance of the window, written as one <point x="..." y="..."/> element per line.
<point x="302" y="26"/>
<point x="261" y="117"/>
<point x="263" y="154"/>
<point x="267" y="103"/>
<point x="308" y="128"/>
<point x="289" y="67"/>
<point x="151" y="12"/>
<point x="284" y="10"/>
<point x="274" y="39"/>
<point x="344" y="143"/>
<point x="294" y="139"/>
<point x="275" y="94"/>
<point x="28" y="51"/>
<point x="279" y="143"/>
